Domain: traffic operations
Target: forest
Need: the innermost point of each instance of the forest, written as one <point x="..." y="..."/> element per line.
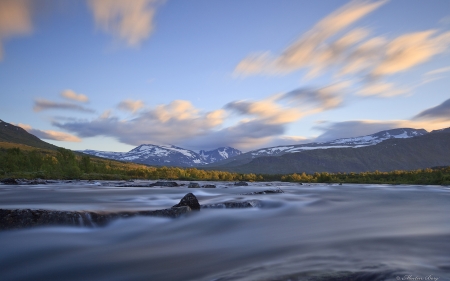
<point x="65" y="164"/>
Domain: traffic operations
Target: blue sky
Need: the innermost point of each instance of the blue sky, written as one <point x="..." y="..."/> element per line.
<point x="200" y="74"/>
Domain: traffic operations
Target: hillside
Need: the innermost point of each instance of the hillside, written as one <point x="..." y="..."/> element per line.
<point x="14" y="134"/>
<point x="419" y="152"/>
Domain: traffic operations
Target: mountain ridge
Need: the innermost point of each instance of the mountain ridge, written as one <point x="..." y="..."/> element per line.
<point x="420" y="152"/>
<point x="167" y="155"/>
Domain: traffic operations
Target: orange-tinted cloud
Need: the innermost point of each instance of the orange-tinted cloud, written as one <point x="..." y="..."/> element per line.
<point x="71" y="95"/>
<point x="329" y="47"/>
<point x="49" y="134"/>
<point x="130" y="21"/>
<point x="411" y="49"/>
<point x="312" y="49"/>
<point x="15" y="19"/>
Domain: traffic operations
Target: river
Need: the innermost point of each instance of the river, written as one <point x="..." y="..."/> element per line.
<point x="309" y="232"/>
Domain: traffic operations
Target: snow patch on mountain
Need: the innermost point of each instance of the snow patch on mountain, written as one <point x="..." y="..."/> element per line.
<point x="354" y="142"/>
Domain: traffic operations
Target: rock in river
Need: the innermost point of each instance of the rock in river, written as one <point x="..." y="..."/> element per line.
<point x="193" y="185"/>
<point x="189" y="200"/>
<point x="24" y="218"/>
<point x="165" y="183"/>
<point x="241" y="183"/>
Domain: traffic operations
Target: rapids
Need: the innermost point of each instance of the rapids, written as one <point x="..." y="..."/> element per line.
<point x="309" y="232"/>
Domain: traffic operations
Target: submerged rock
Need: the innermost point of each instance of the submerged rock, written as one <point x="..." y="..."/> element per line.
<point x="165" y="183"/>
<point x="209" y="186"/>
<point x="189" y="200"/>
<point x="241" y="183"/>
<point x="193" y="185"/>
<point x="233" y="205"/>
<point x="278" y="190"/>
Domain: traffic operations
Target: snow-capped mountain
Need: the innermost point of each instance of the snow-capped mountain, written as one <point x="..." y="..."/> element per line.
<point x="341" y="143"/>
<point x="167" y="155"/>
<point x="219" y="154"/>
<point x="170" y="155"/>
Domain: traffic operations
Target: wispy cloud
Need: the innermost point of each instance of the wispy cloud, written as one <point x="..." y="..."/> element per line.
<point x="43" y="104"/>
<point x="334" y="47"/>
<point x="354" y="128"/>
<point x="439" y="112"/>
<point x="438" y="71"/>
<point x="313" y="50"/>
<point x="130" y="21"/>
<point x="130" y="105"/>
<point x="49" y="134"/>
<point x="409" y="50"/>
<point x="71" y="95"/>
<point x="15" y="19"/>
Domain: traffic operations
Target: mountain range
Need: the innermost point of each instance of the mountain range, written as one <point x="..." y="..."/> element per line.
<point x="410" y="150"/>
<point x="168" y="155"/>
<point x="397" y="149"/>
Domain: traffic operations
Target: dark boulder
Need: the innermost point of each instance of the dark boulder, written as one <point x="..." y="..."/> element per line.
<point x="241" y="183"/>
<point x="165" y="183"/>
<point x="9" y="181"/>
<point x="193" y="185"/>
<point x="209" y="186"/>
<point x="189" y="200"/>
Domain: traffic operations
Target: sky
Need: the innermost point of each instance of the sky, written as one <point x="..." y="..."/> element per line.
<point x="200" y="74"/>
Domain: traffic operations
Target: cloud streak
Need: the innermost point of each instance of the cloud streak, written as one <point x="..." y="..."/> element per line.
<point x="49" y="134"/>
<point x="331" y="47"/>
<point x="130" y="21"/>
<point x="43" y="104"/>
<point x="15" y="19"/>
<point x="130" y="105"/>
<point x="71" y="95"/>
<point x="439" y="112"/>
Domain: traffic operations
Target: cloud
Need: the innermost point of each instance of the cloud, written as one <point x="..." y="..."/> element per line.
<point x="439" y="113"/>
<point x="411" y="49"/>
<point x="15" y="19"/>
<point x="49" y="134"/>
<point x="438" y="71"/>
<point x="130" y="21"/>
<point x="130" y="105"/>
<point x="333" y="46"/>
<point x="43" y="104"/>
<point x="71" y="95"/>
<point x="312" y="49"/>
<point x="172" y="123"/>
<point x="355" y="128"/>
<point x="266" y="110"/>
<point x="321" y="99"/>
<point x="381" y="89"/>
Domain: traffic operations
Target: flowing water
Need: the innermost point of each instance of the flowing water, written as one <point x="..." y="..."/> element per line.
<point x="310" y="232"/>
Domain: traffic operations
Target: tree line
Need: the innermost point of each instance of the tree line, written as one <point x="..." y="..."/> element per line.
<point x="65" y="164"/>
